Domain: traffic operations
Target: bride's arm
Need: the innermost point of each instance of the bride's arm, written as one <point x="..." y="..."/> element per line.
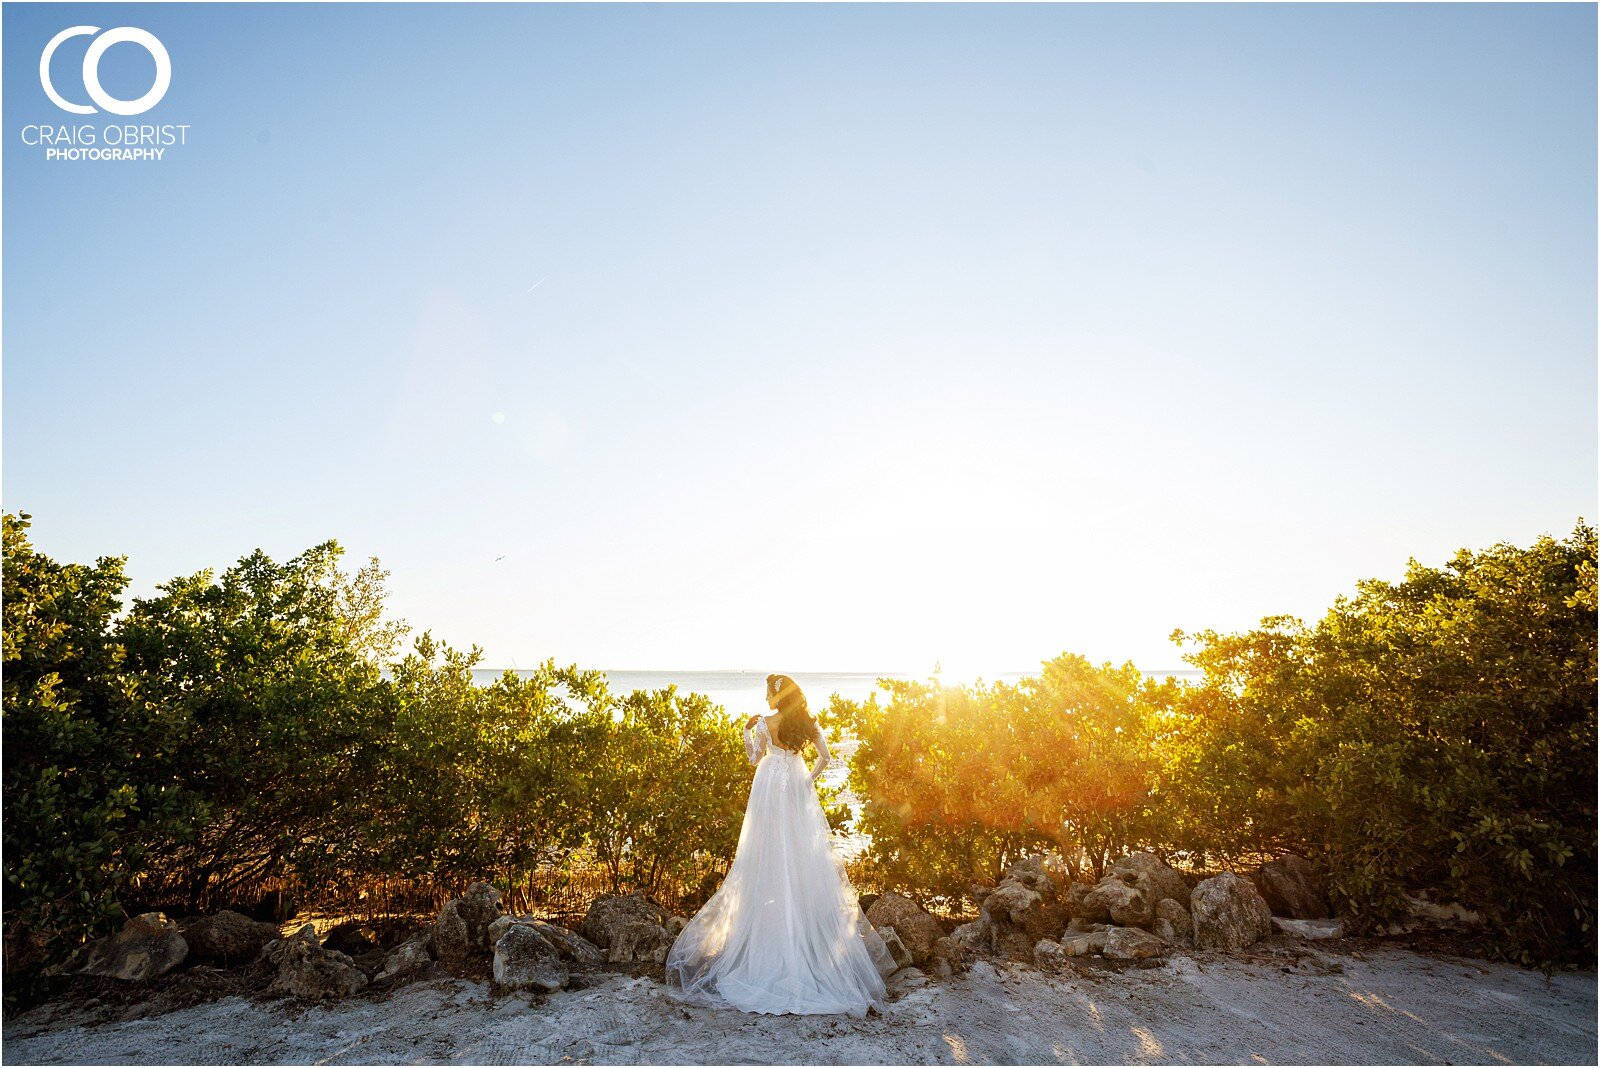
<point x="822" y="754"/>
<point x="755" y="740"/>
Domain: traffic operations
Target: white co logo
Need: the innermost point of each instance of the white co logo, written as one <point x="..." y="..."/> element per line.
<point x="91" y="70"/>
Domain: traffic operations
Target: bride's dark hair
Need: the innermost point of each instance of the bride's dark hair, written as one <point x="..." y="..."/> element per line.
<point x="795" y="727"/>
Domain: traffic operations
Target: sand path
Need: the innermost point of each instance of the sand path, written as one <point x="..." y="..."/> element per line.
<point x="1387" y="1006"/>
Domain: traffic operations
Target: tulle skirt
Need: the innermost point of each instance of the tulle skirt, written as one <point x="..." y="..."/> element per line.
<point x="784" y="932"/>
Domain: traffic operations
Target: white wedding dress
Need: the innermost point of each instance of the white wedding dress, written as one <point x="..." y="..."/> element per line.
<point x="784" y="932"/>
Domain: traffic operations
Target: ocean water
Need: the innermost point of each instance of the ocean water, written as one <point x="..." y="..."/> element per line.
<point x="744" y="692"/>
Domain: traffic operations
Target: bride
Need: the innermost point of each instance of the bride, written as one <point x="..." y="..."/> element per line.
<point x="784" y="932"/>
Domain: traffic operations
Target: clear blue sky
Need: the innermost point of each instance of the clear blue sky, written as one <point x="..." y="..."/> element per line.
<point x="813" y="337"/>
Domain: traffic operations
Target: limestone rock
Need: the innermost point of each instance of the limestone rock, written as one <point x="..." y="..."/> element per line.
<point x="1126" y="899"/>
<point x="612" y="912"/>
<point x="916" y="928"/>
<point x="1427" y="913"/>
<point x="228" y="938"/>
<point x="147" y="946"/>
<point x="462" y="929"/>
<point x="1008" y="901"/>
<point x="897" y="948"/>
<point x="1228" y="913"/>
<point x="524" y="958"/>
<point x="1310" y="929"/>
<point x="307" y="970"/>
<point x="1048" y="955"/>
<point x="1031" y="873"/>
<point x="409" y="957"/>
<point x="1292" y="888"/>
<point x="571" y="945"/>
<point x="501" y="925"/>
<point x="638" y="940"/>
<point x="1084" y="944"/>
<point x="1081" y="908"/>
<point x="1172" y="923"/>
<point x="1130" y="943"/>
<point x="1165" y="883"/>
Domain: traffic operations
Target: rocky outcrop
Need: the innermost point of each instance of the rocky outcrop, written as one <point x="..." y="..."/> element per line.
<point x="308" y="970"/>
<point x="462" y="930"/>
<point x="1048" y="955"/>
<point x="1025" y="907"/>
<point x="608" y="913"/>
<point x="630" y="929"/>
<point x="1228" y="913"/>
<point x="639" y="942"/>
<point x="1308" y="929"/>
<point x="1291" y="887"/>
<point x="1130" y="943"/>
<point x="917" y="930"/>
<point x="573" y="947"/>
<point x="409" y="957"/>
<point x="1172" y="923"/>
<point x="228" y="938"/>
<point x="1126" y="898"/>
<point x="897" y="948"/>
<point x="525" y="959"/>
<point x="1165" y="883"/>
<point x="148" y="945"/>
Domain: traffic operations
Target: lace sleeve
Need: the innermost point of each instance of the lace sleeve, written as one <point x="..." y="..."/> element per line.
<point x="822" y="754"/>
<point x="755" y="741"/>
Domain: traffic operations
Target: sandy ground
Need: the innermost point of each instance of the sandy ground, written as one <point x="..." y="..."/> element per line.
<point x="1333" y="1006"/>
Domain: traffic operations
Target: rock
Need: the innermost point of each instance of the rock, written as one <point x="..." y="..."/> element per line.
<point x="462" y="929"/>
<point x="1172" y="923"/>
<point x="350" y="938"/>
<point x="897" y="949"/>
<point x="676" y="925"/>
<point x="147" y="946"/>
<point x="613" y="911"/>
<point x="1312" y="929"/>
<point x="1130" y="943"/>
<point x="1081" y="908"/>
<point x="228" y="938"/>
<point x="571" y="945"/>
<point x="956" y="951"/>
<point x="1228" y="913"/>
<point x="1008" y="901"/>
<point x="1032" y="874"/>
<point x="307" y="970"/>
<point x="1292" y="888"/>
<point x="409" y="957"/>
<point x="1084" y="944"/>
<point x="502" y="924"/>
<point x="866" y="900"/>
<point x="1079" y="925"/>
<point x="1023" y="909"/>
<point x="524" y="958"/>
<point x="1048" y="956"/>
<point x="1126" y="899"/>
<point x="639" y="940"/>
<point x="1427" y="913"/>
<point x="917" y="930"/>
<point x="1164" y="882"/>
